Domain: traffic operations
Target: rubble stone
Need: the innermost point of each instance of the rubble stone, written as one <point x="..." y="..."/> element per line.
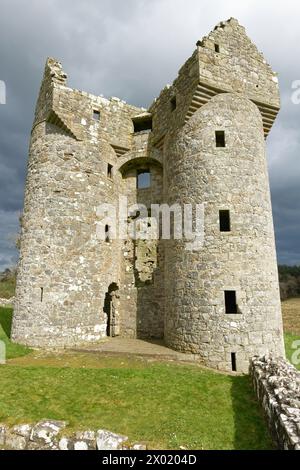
<point x="277" y="387"/>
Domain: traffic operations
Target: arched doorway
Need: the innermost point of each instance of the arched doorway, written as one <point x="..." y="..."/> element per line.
<point x="110" y="309"/>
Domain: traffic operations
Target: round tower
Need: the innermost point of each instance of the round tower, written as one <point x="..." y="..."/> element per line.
<point x="222" y="299"/>
<point x="64" y="270"/>
<point x="67" y="277"/>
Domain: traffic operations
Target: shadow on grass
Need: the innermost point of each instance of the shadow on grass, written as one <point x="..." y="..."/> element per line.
<point x="6" y="315"/>
<point x="251" y="430"/>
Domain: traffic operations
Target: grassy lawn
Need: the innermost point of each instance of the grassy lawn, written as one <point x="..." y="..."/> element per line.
<point x="291" y="315"/>
<point x="166" y="405"/>
<point x="7" y="288"/>
<point x="289" y="340"/>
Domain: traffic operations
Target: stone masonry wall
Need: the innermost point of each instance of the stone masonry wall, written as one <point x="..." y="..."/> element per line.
<point x="143" y="260"/>
<point x="231" y="178"/>
<point x="238" y="66"/>
<point x="277" y="386"/>
<point x="64" y="270"/>
<point x="48" y="435"/>
<point x="159" y="288"/>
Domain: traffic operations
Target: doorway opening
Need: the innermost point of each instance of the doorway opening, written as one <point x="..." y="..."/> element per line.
<point x="233" y="362"/>
<point x="110" y="309"/>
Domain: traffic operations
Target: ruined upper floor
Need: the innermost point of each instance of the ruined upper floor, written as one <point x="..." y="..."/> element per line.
<point x="224" y="61"/>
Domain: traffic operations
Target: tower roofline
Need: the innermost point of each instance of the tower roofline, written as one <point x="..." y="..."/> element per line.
<point x="225" y="61"/>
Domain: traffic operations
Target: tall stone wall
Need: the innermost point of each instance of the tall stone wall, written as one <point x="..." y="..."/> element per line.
<point x="65" y="271"/>
<point x="143" y="260"/>
<point x="238" y="65"/>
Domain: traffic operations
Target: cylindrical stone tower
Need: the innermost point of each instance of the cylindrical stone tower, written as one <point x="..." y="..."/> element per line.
<point x="222" y="301"/>
<point x="66" y="273"/>
<point x="61" y="282"/>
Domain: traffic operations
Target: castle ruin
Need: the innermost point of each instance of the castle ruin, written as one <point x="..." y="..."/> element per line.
<point x="201" y="141"/>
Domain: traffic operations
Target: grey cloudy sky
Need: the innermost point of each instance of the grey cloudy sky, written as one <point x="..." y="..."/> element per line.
<point x="131" y="49"/>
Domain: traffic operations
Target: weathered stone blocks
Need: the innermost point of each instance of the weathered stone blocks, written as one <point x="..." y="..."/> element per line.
<point x="48" y="435"/>
<point x="277" y="387"/>
<point x="85" y="150"/>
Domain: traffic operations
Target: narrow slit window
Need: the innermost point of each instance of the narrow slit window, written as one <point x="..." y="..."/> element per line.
<point x="230" y="301"/>
<point x="109" y="170"/>
<point x="233" y="362"/>
<point x="217" y="48"/>
<point x="173" y="103"/>
<point x="96" y="115"/>
<point x="220" y="139"/>
<point x="42" y="294"/>
<point x="224" y="221"/>
<point x="107" y="233"/>
<point x="143" y="179"/>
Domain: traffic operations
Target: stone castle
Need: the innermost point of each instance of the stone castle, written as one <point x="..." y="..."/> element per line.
<point x="201" y="141"/>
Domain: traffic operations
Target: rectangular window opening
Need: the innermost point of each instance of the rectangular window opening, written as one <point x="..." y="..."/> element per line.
<point x="96" y="115"/>
<point x="217" y="48"/>
<point x="233" y="362"/>
<point x="109" y="170"/>
<point x="230" y="301"/>
<point x="107" y="233"/>
<point x="224" y="216"/>
<point x="142" y="123"/>
<point x="173" y="103"/>
<point x="143" y="179"/>
<point x="220" y="139"/>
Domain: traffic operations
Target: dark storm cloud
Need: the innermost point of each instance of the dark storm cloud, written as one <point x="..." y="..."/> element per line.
<point x="131" y="49"/>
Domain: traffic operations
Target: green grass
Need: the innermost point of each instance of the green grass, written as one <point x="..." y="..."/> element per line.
<point x="165" y="405"/>
<point x="12" y="349"/>
<point x="290" y="338"/>
<point x="7" y="288"/>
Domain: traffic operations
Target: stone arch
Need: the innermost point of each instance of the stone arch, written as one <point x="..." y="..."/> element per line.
<point x="137" y="162"/>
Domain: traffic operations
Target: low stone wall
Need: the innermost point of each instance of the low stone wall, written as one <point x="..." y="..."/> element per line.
<point x="47" y="435"/>
<point x="277" y="386"/>
<point x="5" y="302"/>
